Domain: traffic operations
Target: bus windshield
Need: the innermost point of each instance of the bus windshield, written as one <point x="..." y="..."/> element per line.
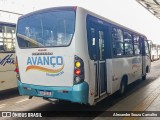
<point x="52" y="28"/>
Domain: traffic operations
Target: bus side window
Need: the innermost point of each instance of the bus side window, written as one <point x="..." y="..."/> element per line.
<point x="128" y="43"/>
<point x="101" y="45"/>
<point x="1" y="40"/>
<point x="92" y="43"/>
<point x="7" y="38"/>
<point x="136" y="45"/>
<point x="117" y="37"/>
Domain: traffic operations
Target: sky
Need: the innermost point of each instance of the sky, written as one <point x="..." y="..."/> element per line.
<point x="128" y="13"/>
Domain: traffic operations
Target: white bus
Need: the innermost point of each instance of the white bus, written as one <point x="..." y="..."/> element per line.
<point x="158" y="51"/>
<point x="150" y="44"/>
<point x="69" y="53"/>
<point x="154" y="52"/>
<point x="8" y="78"/>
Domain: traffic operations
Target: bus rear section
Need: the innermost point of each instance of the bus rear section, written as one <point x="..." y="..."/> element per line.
<point x="48" y="66"/>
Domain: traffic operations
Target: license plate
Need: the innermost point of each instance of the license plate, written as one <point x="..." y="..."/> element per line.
<point x="45" y="93"/>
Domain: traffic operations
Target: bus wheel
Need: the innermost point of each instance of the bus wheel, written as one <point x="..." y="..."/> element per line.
<point x="144" y="77"/>
<point x="123" y="87"/>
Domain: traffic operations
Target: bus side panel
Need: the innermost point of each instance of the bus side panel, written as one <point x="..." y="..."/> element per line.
<point x="109" y="73"/>
<point x="120" y="67"/>
<point x="131" y="66"/>
<point x="92" y="79"/>
<point x="147" y="64"/>
<point x="8" y="80"/>
<point x="7" y="75"/>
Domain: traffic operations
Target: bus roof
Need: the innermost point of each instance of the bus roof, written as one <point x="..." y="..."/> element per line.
<point x="7" y="24"/>
<point x="111" y="22"/>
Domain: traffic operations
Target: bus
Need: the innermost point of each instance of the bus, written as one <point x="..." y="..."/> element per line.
<point x="8" y="77"/>
<point x="150" y="44"/>
<point x="158" y="51"/>
<point x="154" y="53"/>
<point x="72" y="54"/>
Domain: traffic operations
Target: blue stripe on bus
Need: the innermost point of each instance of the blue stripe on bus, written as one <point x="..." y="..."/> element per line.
<point x="76" y="93"/>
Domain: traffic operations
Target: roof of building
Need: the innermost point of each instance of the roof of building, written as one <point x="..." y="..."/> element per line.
<point x="152" y="6"/>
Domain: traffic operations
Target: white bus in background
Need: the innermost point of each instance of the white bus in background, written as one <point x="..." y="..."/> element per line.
<point x="154" y="52"/>
<point x="69" y="53"/>
<point x="158" y="51"/>
<point x="150" y="43"/>
<point x="7" y="56"/>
